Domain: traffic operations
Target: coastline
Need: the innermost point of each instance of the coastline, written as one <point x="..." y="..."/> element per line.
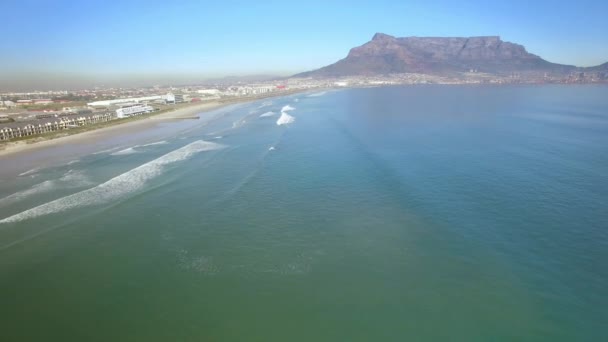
<point x="36" y="143"/>
<point x="42" y="142"/>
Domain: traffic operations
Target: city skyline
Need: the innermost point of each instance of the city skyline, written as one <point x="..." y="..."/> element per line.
<point x="65" y="44"/>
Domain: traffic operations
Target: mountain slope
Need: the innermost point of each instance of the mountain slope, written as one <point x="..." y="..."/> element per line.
<point x="386" y="54"/>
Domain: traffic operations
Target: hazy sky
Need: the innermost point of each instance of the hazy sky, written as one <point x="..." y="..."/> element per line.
<point x="75" y="41"/>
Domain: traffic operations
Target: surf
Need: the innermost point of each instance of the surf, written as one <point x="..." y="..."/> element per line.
<point x="267" y="114"/>
<point x="71" y="179"/>
<point x="117" y="187"/>
<point x="285" y="118"/>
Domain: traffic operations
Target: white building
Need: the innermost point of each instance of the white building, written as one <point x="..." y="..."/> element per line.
<point x="126" y="112"/>
<point x="169" y="98"/>
<point x="7" y="104"/>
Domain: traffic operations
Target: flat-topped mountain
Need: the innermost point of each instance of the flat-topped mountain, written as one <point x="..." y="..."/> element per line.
<point x="386" y="54"/>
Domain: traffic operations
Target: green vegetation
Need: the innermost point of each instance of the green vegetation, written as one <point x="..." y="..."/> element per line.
<point x="52" y="106"/>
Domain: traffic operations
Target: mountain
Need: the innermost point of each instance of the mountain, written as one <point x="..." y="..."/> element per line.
<point x="386" y="54"/>
<point x="602" y="67"/>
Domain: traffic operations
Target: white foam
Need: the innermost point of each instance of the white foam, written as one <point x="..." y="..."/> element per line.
<point x="271" y="148"/>
<point x="285" y="119"/>
<point x="163" y="142"/>
<point x="132" y="150"/>
<point x="317" y="94"/>
<point x="267" y="114"/>
<point x="106" y="151"/>
<point x="75" y="178"/>
<point x="71" y="179"/>
<point x="287" y="108"/>
<point x="117" y="187"/>
<point x="29" y="172"/>
<point x="126" y="151"/>
<point x="45" y="186"/>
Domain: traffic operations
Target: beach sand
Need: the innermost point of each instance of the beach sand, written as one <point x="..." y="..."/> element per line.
<point x="101" y="133"/>
<point x="20" y="156"/>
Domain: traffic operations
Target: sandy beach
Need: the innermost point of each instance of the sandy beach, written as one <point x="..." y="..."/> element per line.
<point x="180" y="113"/>
<point x="20" y="156"/>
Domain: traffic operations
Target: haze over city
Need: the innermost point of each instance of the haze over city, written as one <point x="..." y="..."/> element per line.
<point x="70" y="44"/>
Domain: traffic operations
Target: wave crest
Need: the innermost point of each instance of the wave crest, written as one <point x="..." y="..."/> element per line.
<point x="267" y="114"/>
<point x="285" y="118"/>
<point x="117" y="187"/>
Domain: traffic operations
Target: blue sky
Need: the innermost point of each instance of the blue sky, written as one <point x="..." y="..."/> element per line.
<point x="216" y="38"/>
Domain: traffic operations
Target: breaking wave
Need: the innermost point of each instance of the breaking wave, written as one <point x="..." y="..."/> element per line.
<point x="163" y="142"/>
<point x="126" y="151"/>
<point x="29" y="172"/>
<point x="132" y="150"/>
<point x="287" y="108"/>
<point x="117" y="187"/>
<point x="71" y="179"/>
<point x="45" y="186"/>
<point x="267" y="114"/>
<point x="285" y="118"/>
<point x="106" y="151"/>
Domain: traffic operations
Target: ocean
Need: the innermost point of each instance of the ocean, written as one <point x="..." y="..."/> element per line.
<point x="462" y="213"/>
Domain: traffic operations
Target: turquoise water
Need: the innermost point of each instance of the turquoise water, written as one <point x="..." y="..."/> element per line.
<point x="385" y="214"/>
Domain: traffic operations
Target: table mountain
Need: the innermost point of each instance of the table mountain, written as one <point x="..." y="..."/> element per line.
<point x="386" y="54"/>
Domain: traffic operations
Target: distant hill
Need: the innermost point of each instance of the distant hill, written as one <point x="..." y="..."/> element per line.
<point x="386" y="54"/>
<point x="603" y="67"/>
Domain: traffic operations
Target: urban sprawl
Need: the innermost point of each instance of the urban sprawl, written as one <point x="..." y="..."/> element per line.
<point x="24" y="114"/>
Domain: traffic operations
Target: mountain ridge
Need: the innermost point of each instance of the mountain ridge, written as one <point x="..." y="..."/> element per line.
<point x="386" y="54"/>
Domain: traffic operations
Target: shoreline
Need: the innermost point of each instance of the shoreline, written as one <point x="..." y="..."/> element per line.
<point x="40" y="142"/>
<point x="187" y="112"/>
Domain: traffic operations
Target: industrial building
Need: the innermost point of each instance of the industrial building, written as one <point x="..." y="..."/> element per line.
<point x="169" y="98"/>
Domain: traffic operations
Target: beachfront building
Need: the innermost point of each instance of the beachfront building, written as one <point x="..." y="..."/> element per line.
<point x="126" y="112"/>
<point x="255" y="90"/>
<point x="7" y="104"/>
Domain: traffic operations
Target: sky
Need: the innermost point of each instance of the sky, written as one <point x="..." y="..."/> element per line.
<point x="64" y="44"/>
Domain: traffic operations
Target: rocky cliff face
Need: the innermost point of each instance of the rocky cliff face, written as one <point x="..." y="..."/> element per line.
<point x="386" y="54"/>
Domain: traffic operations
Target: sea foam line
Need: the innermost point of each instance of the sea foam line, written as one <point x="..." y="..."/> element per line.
<point x="126" y="151"/>
<point x="162" y="142"/>
<point x="132" y="150"/>
<point x="117" y="187"/>
<point x="317" y="94"/>
<point x="29" y="172"/>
